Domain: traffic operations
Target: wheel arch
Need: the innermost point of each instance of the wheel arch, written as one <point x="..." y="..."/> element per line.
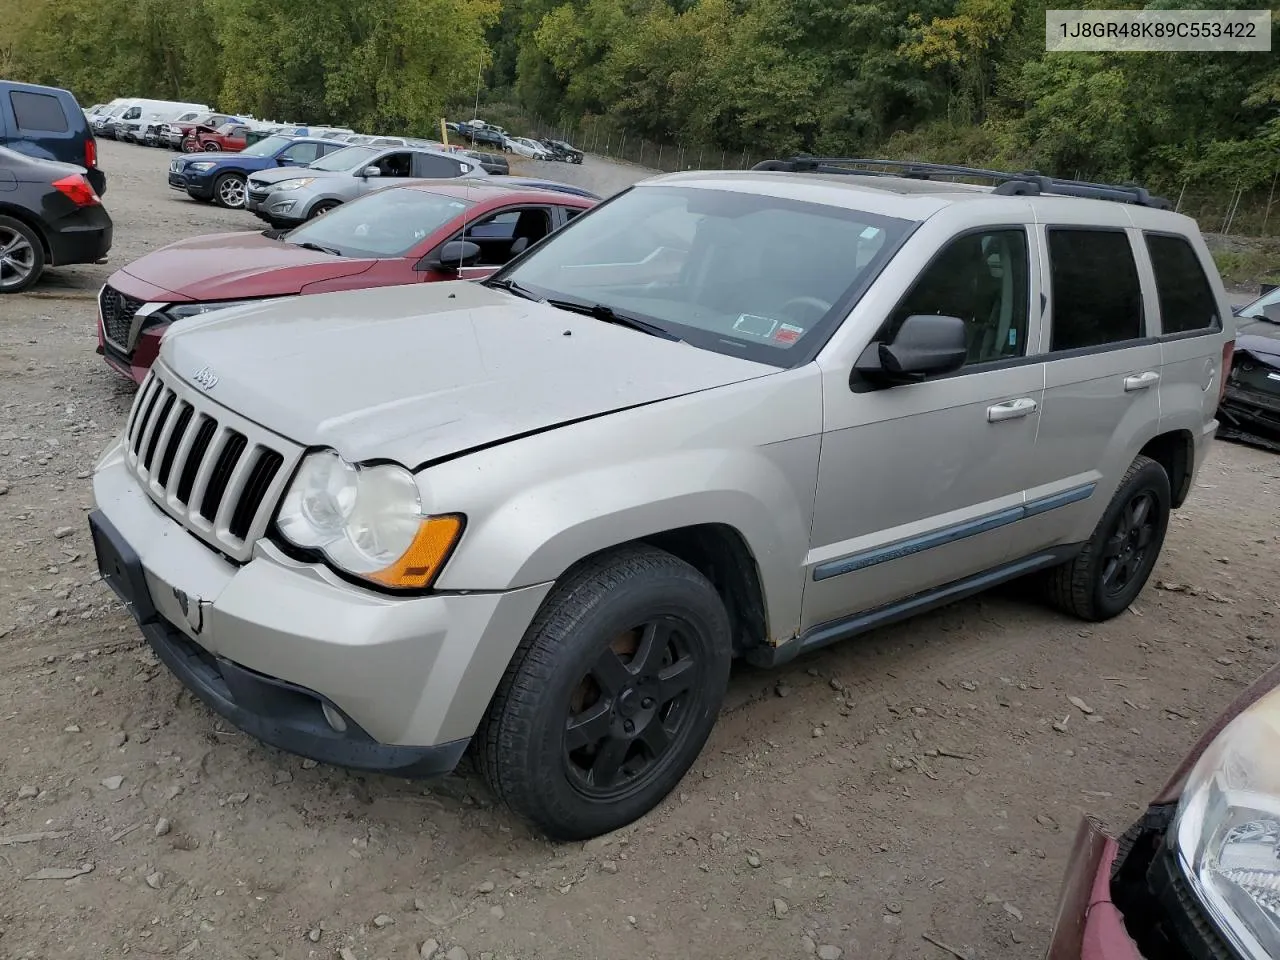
<point x="1175" y="451"/>
<point x="24" y="217"/>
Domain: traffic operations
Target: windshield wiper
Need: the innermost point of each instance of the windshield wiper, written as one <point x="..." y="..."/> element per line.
<point x="319" y="249"/>
<point x="609" y="315"/>
<point x="511" y="287"/>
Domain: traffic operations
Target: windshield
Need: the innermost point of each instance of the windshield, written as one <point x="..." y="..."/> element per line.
<point x="266" y="147"/>
<point x="348" y="158"/>
<point x="388" y="223"/>
<point x="738" y="273"/>
<point x="1254" y="310"/>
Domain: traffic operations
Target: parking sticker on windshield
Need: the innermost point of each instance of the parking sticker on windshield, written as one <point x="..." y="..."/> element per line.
<point x="754" y="326"/>
<point x="788" y="333"/>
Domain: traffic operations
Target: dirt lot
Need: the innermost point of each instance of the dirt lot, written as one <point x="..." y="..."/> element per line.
<point x="828" y="809"/>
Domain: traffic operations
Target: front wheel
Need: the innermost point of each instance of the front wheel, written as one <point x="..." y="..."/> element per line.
<point x="1109" y="573"/>
<point x="211" y="147"/>
<point x="321" y="208"/>
<point x="190" y="146"/>
<point x="228" y="191"/>
<point x="610" y="696"/>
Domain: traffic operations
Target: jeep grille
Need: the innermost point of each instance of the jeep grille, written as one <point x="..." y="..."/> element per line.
<point x="216" y="473"/>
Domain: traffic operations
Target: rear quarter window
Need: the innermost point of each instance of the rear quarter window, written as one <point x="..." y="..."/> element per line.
<point x="38" y="111"/>
<point x="1186" y="299"/>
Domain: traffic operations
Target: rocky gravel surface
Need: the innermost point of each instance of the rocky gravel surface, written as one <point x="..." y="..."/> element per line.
<point x="909" y="795"/>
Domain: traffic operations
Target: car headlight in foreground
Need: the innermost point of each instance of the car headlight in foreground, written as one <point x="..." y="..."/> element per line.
<point x="201" y="165"/>
<point x="368" y="521"/>
<point x="297" y="184"/>
<point x="1227" y="830"/>
<point x="180" y="311"/>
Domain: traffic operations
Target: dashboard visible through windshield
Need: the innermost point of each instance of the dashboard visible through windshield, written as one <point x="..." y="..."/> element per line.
<point x="739" y="273"/>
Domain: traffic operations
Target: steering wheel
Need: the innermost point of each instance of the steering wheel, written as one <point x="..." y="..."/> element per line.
<point x="815" y="303"/>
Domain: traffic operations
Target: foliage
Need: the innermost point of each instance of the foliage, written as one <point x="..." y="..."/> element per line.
<point x="958" y="80"/>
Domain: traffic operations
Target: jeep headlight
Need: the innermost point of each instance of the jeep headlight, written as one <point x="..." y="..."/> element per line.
<point x="369" y="521"/>
<point x="180" y="311"/>
<point x="1227" y="830"/>
<point x="296" y="184"/>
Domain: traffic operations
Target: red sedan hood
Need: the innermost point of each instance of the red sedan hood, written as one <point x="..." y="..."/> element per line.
<point x="228" y="266"/>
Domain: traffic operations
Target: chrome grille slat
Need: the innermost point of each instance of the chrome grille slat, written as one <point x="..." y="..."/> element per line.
<point x="213" y="453"/>
<point x="235" y="487"/>
<point x="149" y="426"/>
<point x="242" y="469"/>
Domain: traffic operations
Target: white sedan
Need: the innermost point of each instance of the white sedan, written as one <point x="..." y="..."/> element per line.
<point x="524" y="147"/>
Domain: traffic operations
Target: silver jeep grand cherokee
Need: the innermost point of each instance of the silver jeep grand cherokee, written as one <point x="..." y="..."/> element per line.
<point x="723" y="414"/>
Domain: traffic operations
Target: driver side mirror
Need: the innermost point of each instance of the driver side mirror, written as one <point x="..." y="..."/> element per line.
<point x="926" y="345"/>
<point x="453" y="256"/>
<point x="370" y="172"/>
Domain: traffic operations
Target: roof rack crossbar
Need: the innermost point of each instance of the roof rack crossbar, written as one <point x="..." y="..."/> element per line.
<point x="1007" y="183"/>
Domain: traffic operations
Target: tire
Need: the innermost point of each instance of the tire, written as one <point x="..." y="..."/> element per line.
<point x="321" y="208"/>
<point x="21" y="256"/>
<point x="229" y="191"/>
<point x="210" y="147"/>
<point x="525" y="746"/>
<point x="1097" y="585"/>
<point x="190" y="146"/>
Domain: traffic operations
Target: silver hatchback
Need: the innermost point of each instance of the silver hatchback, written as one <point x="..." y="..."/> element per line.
<point x="286" y="198"/>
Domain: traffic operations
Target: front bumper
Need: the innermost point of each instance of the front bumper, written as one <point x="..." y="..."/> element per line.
<point x="1253" y="407"/>
<point x="1088" y="925"/>
<point x="268" y="645"/>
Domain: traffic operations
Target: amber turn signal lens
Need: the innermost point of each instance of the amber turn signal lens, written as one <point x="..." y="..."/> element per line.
<point x="431" y="547"/>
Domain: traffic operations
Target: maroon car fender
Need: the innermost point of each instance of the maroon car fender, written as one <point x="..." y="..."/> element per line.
<point x="1088" y="925"/>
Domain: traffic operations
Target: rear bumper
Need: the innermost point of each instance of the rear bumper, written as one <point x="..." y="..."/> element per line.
<point x="1088" y="924"/>
<point x="81" y="237"/>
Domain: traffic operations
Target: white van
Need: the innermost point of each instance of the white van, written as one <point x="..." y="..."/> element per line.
<point x="132" y="124"/>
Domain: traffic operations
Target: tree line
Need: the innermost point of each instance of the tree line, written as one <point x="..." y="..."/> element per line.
<point x="965" y="81"/>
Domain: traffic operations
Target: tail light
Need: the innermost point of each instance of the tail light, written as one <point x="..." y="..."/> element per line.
<point x="1228" y="352"/>
<point x="91" y="153"/>
<point x="78" y="189"/>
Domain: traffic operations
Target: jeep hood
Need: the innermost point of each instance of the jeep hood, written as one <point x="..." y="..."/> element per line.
<point x="232" y="266"/>
<point x="418" y="372"/>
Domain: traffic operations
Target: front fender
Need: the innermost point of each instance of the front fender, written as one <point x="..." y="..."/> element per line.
<point x="743" y="456"/>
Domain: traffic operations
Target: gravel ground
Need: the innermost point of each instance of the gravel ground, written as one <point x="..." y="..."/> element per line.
<point x="912" y="783"/>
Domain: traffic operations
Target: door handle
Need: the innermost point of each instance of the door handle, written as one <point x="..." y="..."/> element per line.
<point x="1011" y="410"/>
<point x="1141" y="381"/>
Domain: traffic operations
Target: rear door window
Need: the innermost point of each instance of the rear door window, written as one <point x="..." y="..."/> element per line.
<point x="38" y="111"/>
<point x="1097" y="299"/>
<point x="429" y="165"/>
<point x="1186" y="300"/>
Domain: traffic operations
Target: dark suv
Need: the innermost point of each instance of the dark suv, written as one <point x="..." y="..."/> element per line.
<point x="47" y="122"/>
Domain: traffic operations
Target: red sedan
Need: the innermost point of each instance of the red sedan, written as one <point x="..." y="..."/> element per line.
<point x="228" y="138"/>
<point x="414" y="233"/>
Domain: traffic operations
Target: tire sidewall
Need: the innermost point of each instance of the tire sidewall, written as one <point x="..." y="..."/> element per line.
<point x="1152" y="478"/>
<point x="659" y="593"/>
<point x="41" y="262"/>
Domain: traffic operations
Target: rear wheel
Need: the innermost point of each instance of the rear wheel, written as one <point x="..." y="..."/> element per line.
<point x="1109" y="573"/>
<point x="228" y="191"/>
<point x="21" y="256"/>
<point x="610" y="695"/>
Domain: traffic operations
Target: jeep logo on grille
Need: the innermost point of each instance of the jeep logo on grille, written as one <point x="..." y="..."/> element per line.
<point x="205" y="378"/>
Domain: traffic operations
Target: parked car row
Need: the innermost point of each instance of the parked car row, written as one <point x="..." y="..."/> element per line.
<point x="481" y="133"/>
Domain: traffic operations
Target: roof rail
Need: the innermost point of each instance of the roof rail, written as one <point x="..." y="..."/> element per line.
<point x="1023" y="183"/>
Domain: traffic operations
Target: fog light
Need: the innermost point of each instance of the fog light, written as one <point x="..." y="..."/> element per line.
<point x="336" y="720"/>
